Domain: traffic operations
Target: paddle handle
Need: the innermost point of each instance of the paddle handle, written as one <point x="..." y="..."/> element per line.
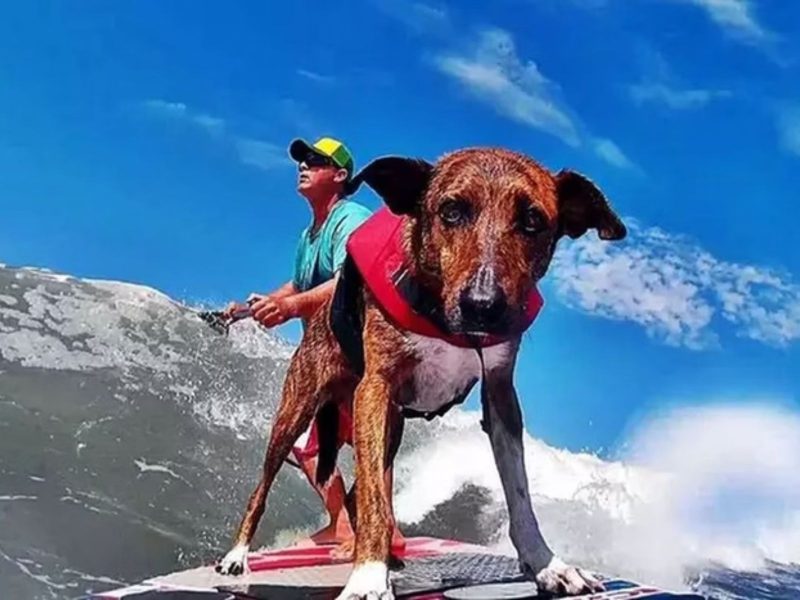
<point x="242" y="312"/>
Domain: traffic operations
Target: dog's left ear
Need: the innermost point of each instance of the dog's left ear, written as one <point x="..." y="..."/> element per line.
<point x="401" y="182"/>
<point x="582" y="206"/>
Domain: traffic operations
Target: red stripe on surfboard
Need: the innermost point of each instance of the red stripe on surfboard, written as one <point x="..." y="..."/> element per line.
<point x="318" y="556"/>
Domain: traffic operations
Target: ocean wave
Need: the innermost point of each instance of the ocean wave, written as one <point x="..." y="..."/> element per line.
<point x="130" y="422"/>
<point x="701" y="485"/>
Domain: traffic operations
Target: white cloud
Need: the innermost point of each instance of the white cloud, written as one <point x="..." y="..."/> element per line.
<point x="528" y="106"/>
<point x="736" y="17"/>
<point x="675" y="98"/>
<point x="611" y="153"/>
<point x="172" y="109"/>
<point x="676" y="290"/>
<point x="253" y="152"/>
<point x="788" y="125"/>
<point x="179" y="111"/>
<point x="211" y="124"/>
<point x="429" y="13"/>
<point x="263" y="155"/>
<point x="316" y="77"/>
<point x="659" y="85"/>
<point x="494" y="74"/>
<point x="419" y="17"/>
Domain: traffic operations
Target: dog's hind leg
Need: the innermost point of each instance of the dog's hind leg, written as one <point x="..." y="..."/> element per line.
<point x="300" y="400"/>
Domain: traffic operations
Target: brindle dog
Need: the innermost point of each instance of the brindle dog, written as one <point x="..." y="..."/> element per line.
<point x="481" y="226"/>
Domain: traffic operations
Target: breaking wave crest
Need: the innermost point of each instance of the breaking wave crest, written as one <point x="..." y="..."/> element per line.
<point x="697" y="486"/>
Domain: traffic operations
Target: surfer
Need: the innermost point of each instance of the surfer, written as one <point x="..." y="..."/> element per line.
<point x="325" y="169"/>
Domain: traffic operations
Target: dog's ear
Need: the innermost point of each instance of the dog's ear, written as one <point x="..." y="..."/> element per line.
<point x="582" y="206"/>
<point x="401" y="182"/>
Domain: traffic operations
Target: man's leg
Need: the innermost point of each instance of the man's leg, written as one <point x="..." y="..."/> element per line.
<point x="332" y="495"/>
<point x="398" y="543"/>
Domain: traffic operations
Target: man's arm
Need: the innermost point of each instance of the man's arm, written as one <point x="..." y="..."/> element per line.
<point x="305" y="304"/>
<point x="271" y="311"/>
<point x="274" y="310"/>
<point x="287" y="289"/>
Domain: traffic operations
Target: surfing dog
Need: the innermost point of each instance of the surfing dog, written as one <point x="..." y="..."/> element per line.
<point x="415" y="323"/>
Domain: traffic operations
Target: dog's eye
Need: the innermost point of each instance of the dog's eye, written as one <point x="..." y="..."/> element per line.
<point x="454" y="212"/>
<point x="531" y="221"/>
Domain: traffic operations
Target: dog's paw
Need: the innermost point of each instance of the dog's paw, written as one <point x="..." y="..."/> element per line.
<point x="558" y="578"/>
<point x="234" y="562"/>
<point x="368" y="581"/>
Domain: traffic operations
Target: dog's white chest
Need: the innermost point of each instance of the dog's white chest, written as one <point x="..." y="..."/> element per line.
<point x="445" y="372"/>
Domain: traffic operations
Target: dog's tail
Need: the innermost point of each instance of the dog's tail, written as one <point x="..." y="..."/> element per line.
<point x="328" y="432"/>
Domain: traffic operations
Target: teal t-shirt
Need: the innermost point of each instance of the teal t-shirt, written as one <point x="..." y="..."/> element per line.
<point x="321" y="254"/>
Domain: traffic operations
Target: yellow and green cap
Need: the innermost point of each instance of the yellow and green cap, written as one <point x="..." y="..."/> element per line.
<point x="326" y="146"/>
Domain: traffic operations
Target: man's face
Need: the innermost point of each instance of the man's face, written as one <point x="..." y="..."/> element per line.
<point x="318" y="174"/>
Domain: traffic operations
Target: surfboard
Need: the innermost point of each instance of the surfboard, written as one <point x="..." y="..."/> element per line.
<point x="433" y="569"/>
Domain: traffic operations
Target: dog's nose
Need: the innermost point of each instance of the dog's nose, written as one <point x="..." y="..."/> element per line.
<point x="483" y="303"/>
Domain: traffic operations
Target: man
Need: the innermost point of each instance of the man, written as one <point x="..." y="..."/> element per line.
<point x="324" y="169"/>
<point x="324" y="172"/>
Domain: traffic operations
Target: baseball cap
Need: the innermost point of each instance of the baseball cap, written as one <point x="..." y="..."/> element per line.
<point x="326" y="146"/>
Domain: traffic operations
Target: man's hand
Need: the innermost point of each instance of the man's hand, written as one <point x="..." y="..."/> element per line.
<point x="271" y="312"/>
<point x="235" y="307"/>
<point x="234" y="310"/>
<point x="229" y="310"/>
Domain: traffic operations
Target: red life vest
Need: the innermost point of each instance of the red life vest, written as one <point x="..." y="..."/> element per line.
<point x="376" y="248"/>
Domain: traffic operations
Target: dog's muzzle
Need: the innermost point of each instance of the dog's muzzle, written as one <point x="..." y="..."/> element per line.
<point x="483" y="305"/>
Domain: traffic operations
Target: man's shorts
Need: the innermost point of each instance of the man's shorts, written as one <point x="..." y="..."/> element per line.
<point x="307" y="445"/>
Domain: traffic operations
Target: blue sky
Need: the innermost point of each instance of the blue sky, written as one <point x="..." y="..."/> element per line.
<point x="146" y="142"/>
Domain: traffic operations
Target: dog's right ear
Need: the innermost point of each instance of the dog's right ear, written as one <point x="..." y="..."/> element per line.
<point x="401" y="182"/>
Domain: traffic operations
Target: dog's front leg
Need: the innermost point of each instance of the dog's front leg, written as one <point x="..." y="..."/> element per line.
<point x="370" y="575"/>
<point x="502" y="420"/>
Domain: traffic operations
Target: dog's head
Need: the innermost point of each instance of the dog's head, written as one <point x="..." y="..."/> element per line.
<point x="483" y="225"/>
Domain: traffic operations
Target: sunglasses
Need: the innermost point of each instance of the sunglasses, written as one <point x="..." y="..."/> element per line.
<point x="317" y="160"/>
